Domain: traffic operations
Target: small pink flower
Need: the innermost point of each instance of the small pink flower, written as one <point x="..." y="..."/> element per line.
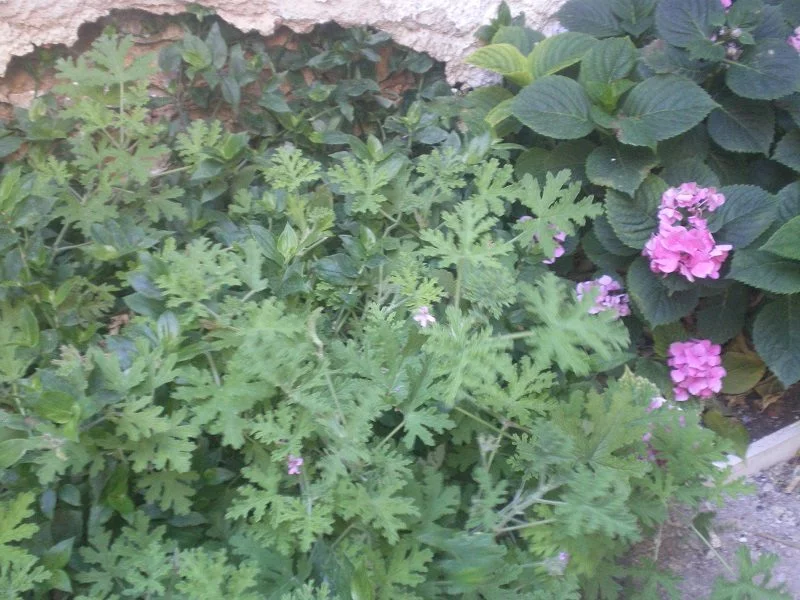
<point x="423" y="317"/>
<point x="294" y="463"/>
<point x="794" y="40"/>
<point x="607" y="298"/>
<point x="558" y="238"/>
<point x="696" y="369"/>
<point x="726" y="4"/>
<point x="647" y="437"/>
<point x="656" y="403"/>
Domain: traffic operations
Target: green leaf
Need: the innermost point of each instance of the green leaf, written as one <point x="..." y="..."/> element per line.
<point x="609" y="240"/>
<point x="729" y="428"/>
<point x="635" y="220"/>
<point x="766" y="71"/>
<point x="691" y="169"/>
<point x="589" y="16"/>
<point x="635" y="15"/>
<point x="196" y="52"/>
<point x="776" y="335"/>
<point x="748" y="212"/>
<point x="619" y="167"/>
<point x="766" y="271"/>
<point x="11" y="451"/>
<point x="722" y="316"/>
<point x="662" y="107"/>
<point x="743" y="371"/>
<point x="786" y="241"/>
<point x="607" y="62"/>
<point x="658" y="305"/>
<point x="788" y="150"/>
<point x="556" y="53"/>
<point x="504" y="59"/>
<point x="567" y="155"/>
<point x="789" y="202"/>
<point x="741" y="125"/>
<point x="217" y="47"/>
<point x="554" y="106"/>
<point x="681" y="22"/>
<point x="57" y="556"/>
<point x="9" y="144"/>
<point x="522" y="38"/>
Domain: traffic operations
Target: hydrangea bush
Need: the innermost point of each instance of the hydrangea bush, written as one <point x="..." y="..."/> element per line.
<point x="682" y="115"/>
<point x="308" y="356"/>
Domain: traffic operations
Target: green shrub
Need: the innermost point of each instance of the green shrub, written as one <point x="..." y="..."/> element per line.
<point x="644" y="95"/>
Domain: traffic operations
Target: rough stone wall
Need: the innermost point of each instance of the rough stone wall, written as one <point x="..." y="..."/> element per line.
<point x="442" y="28"/>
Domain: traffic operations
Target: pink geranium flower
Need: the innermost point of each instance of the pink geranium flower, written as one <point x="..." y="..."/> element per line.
<point x="794" y="40"/>
<point x="696" y="369"/>
<point x="608" y="298"/>
<point x="726" y="4"/>
<point x="423" y="317"/>
<point x="294" y="463"/>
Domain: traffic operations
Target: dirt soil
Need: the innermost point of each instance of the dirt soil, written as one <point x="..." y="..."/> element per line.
<point x="767" y="521"/>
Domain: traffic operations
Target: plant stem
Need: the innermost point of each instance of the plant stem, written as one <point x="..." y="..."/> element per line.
<point x="523" y="526"/>
<point x="59" y="239"/>
<point x="390" y="435"/>
<point x="714" y="550"/>
<point x="214" y="371"/>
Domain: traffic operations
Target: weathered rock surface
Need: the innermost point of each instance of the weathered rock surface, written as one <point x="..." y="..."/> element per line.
<point x="442" y="28"/>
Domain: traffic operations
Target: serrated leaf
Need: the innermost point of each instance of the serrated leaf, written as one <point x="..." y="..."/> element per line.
<point x="681" y="22"/>
<point x="766" y="271"/>
<point x="608" y="61"/>
<point x="608" y="239"/>
<point x="789" y="202"/>
<point x="786" y="241"/>
<point x="722" y="316"/>
<point x="743" y="370"/>
<point x="787" y="151"/>
<point x="766" y="71"/>
<point x="589" y="16"/>
<point x="776" y="336"/>
<point x="742" y="125"/>
<point x="556" y="53"/>
<point x="554" y="106"/>
<point x="619" y="167"/>
<point x="748" y="212"/>
<point x="522" y="38"/>
<point x="691" y="169"/>
<point x="635" y="15"/>
<point x="504" y="59"/>
<point x="635" y="220"/>
<point x="658" y="305"/>
<point x="660" y="108"/>
<point x="567" y="155"/>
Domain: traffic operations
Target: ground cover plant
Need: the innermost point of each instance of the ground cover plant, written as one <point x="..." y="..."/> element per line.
<point x="271" y="331"/>
<point x="698" y="97"/>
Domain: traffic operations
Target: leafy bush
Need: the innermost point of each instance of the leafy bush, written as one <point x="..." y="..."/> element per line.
<point x="641" y="96"/>
<point x="235" y="368"/>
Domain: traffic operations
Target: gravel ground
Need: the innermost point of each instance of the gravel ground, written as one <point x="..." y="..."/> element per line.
<point x="766" y="521"/>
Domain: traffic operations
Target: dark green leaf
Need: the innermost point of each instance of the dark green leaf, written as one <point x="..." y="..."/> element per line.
<point x="741" y="125"/>
<point x="216" y="44"/>
<point x="522" y="38"/>
<point x="556" y="53"/>
<point x="747" y="213"/>
<point x="196" y="52"/>
<point x="766" y="71"/>
<point x="619" y="167"/>
<point x="690" y="169"/>
<point x="589" y="16"/>
<point x="9" y="144"/>
<point x="635" y="220"/>
<point x="722" y="316"/>
<point x="729" y="428"/>
<point x="789" y="202"/>
<point x="566" y="155"/>
<point x="635" y="15"/>
<point x="662" y="107"/>
<point x="608" y="239"/>
<point x="786" y="241"/>
<point x="776" y="335"/>
<point x="766" y="271"/>
<point x="681" y="22"/>
<point x="607" y="62"/>
<point x="658" y="305"/>
<point x="787" y="151"/>
<point x="743" y="371"/>
<point x="554" y="106"/>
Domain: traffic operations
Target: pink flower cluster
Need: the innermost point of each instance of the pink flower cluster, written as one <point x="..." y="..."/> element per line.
<point x="608" y="297"/>
<point x="559" y="237"/>
<point x="696" y="368"/>
<point x="683" y="244"/>
<point x="424" y="317"/>
<point x="726" y="4"/>
<point x="794" y="40"/>
<point x="294" y="463"/>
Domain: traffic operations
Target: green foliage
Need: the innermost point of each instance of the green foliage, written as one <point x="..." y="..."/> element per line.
<point x="189" y="307"/>
<point x="643" y="95"/>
